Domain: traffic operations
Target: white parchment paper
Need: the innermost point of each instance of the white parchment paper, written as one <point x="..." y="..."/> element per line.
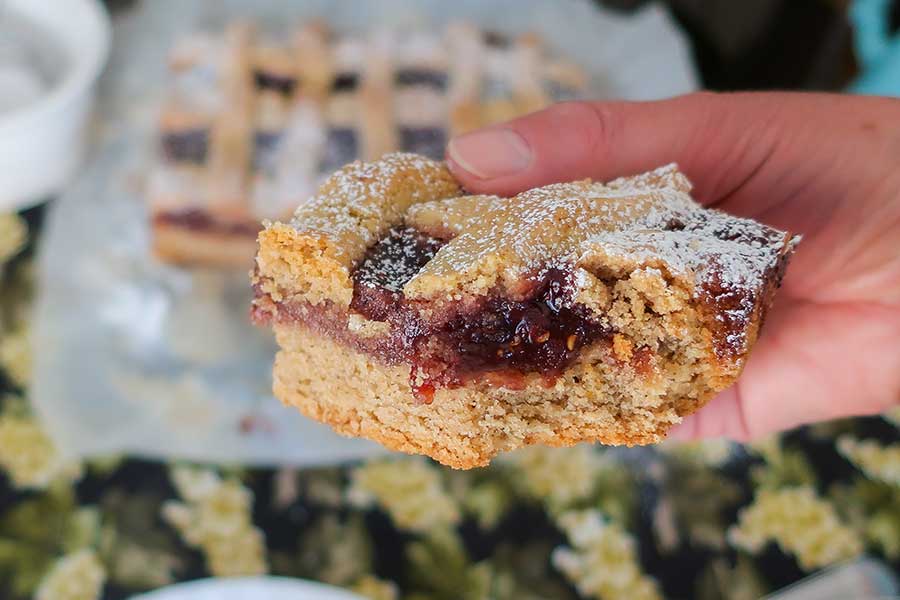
<point x="133" y="356"/>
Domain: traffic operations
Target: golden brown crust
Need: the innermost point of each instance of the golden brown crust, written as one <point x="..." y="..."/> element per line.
<point x="229" y="153"/>
<point x="499" y="240"/>
<point x="312" y="256"/>
<point x="314" y="60"/>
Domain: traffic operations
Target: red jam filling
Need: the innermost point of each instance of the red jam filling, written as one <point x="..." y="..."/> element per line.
<point x="283" y="84"/>
<point x="498" y="339"/>
<point x="541" y="334"/>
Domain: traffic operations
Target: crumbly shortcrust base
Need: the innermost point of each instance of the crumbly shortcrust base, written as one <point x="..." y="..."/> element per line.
<point x="601" y="398"/>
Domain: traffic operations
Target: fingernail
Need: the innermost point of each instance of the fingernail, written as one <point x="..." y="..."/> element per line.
<point x="490" y="153"/>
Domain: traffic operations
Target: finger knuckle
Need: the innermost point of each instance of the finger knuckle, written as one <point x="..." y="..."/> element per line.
<point x="593" y="126"/>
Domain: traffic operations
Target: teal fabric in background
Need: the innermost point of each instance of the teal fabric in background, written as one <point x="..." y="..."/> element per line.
<point x="877" y="49"/>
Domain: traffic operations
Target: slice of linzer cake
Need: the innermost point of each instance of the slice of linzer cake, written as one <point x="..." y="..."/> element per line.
<point x="461" y="326"/>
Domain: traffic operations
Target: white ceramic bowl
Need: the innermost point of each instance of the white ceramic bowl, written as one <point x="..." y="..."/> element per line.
<point x="42" y="144"/>
<point x="249" y="588"/>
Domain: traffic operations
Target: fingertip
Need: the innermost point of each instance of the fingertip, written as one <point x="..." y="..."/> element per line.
<point x="563" y="142"/>
<point x="684" y="431"/>
<point x="489" y="160"/>
<point x="722" y="417"/>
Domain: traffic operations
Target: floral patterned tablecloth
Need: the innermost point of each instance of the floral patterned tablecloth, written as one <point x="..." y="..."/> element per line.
<point x="700" y="520"/>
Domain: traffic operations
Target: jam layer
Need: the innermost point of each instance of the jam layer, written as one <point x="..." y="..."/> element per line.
<point x="542" y="333"/>
<point x="283" y="84"/>
<point x="203" y="222"/>
<point x="189" y="146"/>
<point x="494" y="339"/>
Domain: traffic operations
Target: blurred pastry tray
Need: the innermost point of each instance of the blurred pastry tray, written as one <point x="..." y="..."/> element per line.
<point x="137" y="356"/>
<point x="252" y="121"/>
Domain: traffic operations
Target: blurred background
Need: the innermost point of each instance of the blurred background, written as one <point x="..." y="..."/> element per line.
<point x="140" y="446"/>
<point x="761" y="44"/>
<point x="770" y="44"/>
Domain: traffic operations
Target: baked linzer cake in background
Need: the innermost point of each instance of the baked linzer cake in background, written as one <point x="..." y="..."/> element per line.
<point x="252" y="124"/>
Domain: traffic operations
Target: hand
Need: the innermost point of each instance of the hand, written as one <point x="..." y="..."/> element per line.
<point x="825" y="166"/>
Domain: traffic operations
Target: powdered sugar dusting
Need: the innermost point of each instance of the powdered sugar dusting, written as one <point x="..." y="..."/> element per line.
<point x="358" y="204"/>
<point x="524" y="233"/>
<point x="395" y="259"/>
<point x="664" y="177"/>
<point x="645" y="223"/>
<point x="737" y="251"/>
<point x="636" y="223"/>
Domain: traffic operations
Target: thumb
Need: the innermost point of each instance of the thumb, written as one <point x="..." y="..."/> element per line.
<point x="718" y="140"/>
<point x="807" y="368"/>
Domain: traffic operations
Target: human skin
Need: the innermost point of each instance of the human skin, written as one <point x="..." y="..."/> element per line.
<point x="825" y="166"/>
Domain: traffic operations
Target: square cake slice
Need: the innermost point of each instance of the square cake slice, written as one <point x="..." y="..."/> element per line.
<point x="460" y="326"/>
